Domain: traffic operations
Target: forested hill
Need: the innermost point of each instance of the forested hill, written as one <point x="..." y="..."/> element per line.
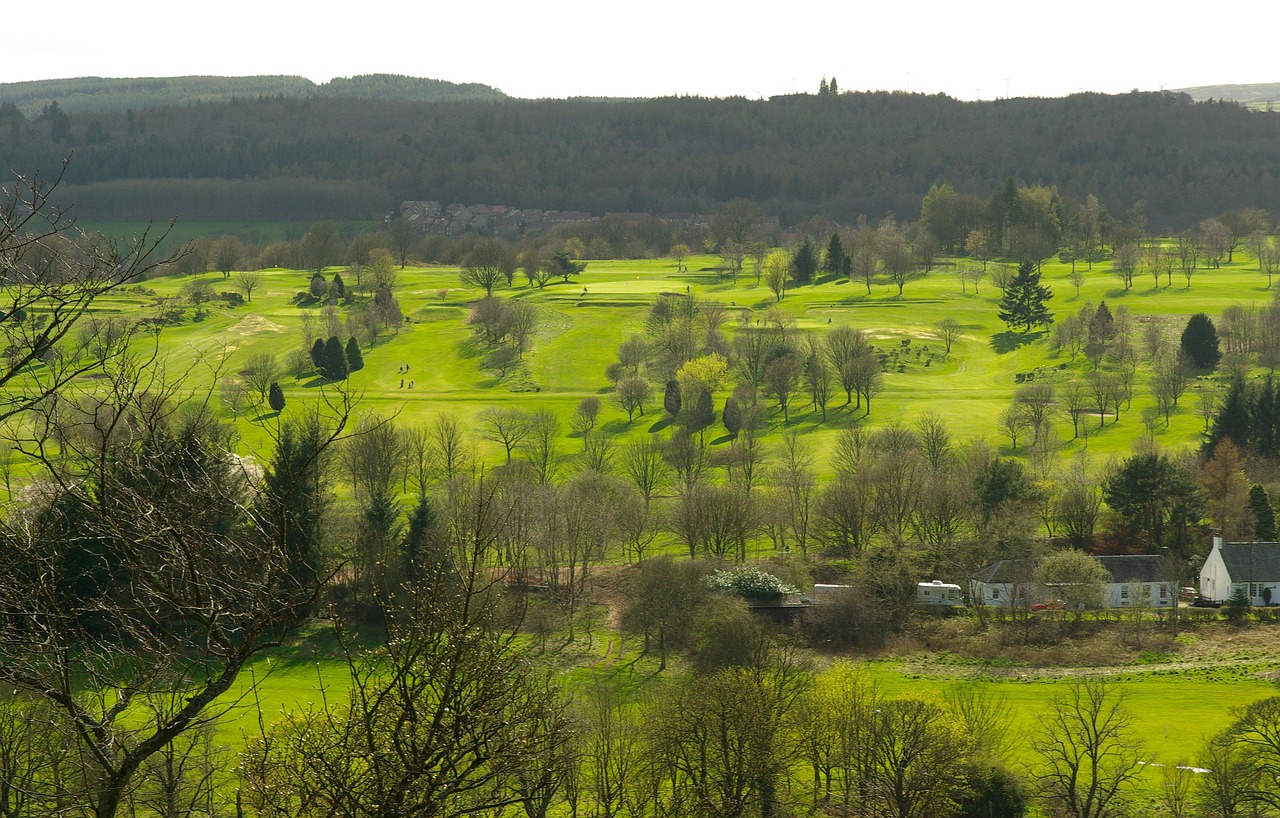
<point x="102" y="94"/>
<point x="797" y="156"/>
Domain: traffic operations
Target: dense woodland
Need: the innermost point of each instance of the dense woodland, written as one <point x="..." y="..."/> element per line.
<point x="102" y="94"/>
<point x="834" y="155"/>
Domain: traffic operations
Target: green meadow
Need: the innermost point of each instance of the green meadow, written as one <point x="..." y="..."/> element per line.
<point x="583" y="322"/>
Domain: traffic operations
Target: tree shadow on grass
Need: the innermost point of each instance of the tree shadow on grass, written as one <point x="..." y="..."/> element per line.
<point x="469" y="348"/>
<point x="615" y="427"/>
<point x="1010" y="341"/>
<point x="315" y="383"/>
<point x="659" y="425"/>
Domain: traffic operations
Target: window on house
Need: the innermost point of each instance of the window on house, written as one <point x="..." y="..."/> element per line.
<point x="1124" y="592"/>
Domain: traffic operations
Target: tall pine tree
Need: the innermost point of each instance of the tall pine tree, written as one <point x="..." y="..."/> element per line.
<point x="355" y="360"/>
<point x="1200" y="342"/>
<point x="1023" y="304"/>
<point x="1264" y="516"/>
<point x="336" y="367"/>
<point x="805" y="262"/>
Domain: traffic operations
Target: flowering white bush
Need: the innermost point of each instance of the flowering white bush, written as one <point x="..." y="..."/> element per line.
<point x="749" y="581"/>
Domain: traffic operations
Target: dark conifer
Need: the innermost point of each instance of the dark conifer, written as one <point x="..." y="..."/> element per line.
<point x="1023" y="303"/>
<point x="355" y="360"/>
<point x="1264" y="516"/>
<point x="732" y="417"/>
<point x="1200" y="342"/>
<point x="671" y="398"/>
<point x="805" y="262"/>
<point x="275" y="397"/>
<point x="1233" y="418"/>
<point x="336" y="367"/>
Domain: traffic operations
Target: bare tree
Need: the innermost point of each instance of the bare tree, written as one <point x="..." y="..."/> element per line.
<point x="444" y="719"/>
<point x="259" y="372"/>
<point x="539" y="445"/>
<point x="1089" y="753"/>
<point x="247" y="281"/>
<point x="55" y="274"/>
<point x="645" y="466"/>
<point x="506" y="426"/>
<point x="228" y="252"/>
<point x="489" y="265"/>
<point x="156" y="564"/>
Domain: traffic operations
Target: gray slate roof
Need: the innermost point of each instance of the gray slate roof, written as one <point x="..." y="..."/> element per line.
<point x="1123" y="568"/>
<point x="1133" y="567"/>
<point x="1252" y="561"/>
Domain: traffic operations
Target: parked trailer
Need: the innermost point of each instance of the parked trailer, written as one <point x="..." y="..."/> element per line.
<point x="938" y="593"/>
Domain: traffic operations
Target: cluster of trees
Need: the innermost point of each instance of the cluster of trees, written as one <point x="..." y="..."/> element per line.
<point x="683" y="346"/>
<point x="288" y="158"/>
<point x="334" y="360"/>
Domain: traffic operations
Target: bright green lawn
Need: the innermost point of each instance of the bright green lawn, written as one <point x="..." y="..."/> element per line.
<point x="581" y="331"/>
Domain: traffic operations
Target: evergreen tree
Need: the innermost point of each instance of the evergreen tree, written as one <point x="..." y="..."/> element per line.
<point x="732" y="417"/>
<point x="339" y="289"/>
<point x="805" y="262"/>
<point x="833" y="88"/>
<point x="1159" y="501"/>
<point x="703" y="412"/>
<point x="1232" y="420"/>
<point x="336" y="367"/>
<point x="671" y="398"/>
<point x="319" y="287"/>
<point x="355" y="360"/>
<point x="317" y="355"/>
<point x="1262" y="419"/>
<point x="275" y="397"/>
<point x="1264" y="516"/>
<point x="1200" y="342"/>
<point x="1101" y="327"/>
<point x="424" y="555"/>
<point x="836" y="259"/>
<point x="1023" y="303"/>
<point x="293" y="499"/>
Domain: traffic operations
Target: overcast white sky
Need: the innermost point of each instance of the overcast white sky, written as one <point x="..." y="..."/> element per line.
<point x="558" y="48"/>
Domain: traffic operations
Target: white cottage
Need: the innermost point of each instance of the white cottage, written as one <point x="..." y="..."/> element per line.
<point x="1139" y="579"/>
<point x="1252" y="566"/>
<point x="1135" y="579"/>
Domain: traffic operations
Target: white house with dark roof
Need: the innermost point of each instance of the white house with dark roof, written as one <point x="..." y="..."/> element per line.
<point x="1135" y="579"/>
<point x="1253" y="566"/>
<point x="1139" y="579"/>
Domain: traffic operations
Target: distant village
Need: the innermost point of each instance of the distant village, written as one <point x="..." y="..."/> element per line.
<point x="432" y="218"/>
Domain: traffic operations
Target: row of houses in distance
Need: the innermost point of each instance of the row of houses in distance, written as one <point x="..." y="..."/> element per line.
<point x="1251" y="568"/>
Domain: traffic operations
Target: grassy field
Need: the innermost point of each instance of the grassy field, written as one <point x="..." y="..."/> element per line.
<point x="1175" y="708"/>
<point x="582" y="324"/>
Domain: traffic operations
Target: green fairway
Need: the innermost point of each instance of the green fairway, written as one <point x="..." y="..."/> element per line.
<point x="582" y="323"/>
